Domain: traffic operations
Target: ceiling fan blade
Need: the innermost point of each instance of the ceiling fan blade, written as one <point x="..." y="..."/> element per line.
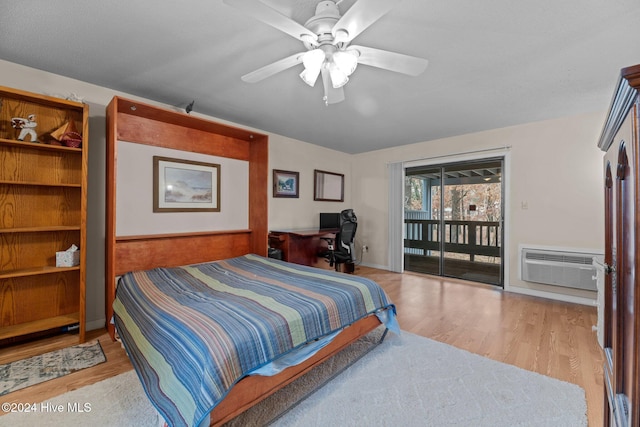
<point x="272" y="17"/>
<point x="359" y="17"/>
<point x="332" y="95"/>
<point x="398" y="62"/>
<point x="274" y="68"/>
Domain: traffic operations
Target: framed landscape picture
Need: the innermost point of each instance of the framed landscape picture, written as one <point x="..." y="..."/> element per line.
<point x="185" y="185"/>
<point x="285" y="183"/>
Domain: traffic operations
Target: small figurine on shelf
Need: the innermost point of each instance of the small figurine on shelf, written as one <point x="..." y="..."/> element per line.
<point x="27" y="127"/>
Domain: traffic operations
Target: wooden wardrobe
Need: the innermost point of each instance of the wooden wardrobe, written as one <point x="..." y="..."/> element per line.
<point x="620" y="141"/>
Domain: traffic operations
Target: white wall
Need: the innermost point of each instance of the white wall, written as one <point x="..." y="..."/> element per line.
<point x="135" y="179"/>
<point x="297" y="156"/>
<point x="556" y="169"/>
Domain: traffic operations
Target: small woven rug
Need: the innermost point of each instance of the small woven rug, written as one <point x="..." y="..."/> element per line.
<point x="55" y="364"/>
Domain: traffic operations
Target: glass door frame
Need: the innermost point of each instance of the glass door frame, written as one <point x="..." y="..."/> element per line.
<point x="502" y="153"/>
<point x="448" y="167"/>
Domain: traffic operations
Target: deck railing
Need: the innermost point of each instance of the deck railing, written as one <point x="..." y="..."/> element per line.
<point x="464" y="237"/>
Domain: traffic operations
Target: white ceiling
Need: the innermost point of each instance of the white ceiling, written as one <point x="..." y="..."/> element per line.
<point x="492" y="63"/>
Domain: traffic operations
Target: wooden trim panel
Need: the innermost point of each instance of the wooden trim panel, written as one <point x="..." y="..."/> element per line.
<point x="174" y="250"/>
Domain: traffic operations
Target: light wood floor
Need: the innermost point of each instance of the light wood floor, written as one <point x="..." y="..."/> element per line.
<point x="548" y="337"/>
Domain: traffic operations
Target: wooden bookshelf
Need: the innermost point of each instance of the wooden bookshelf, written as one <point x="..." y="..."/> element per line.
<point x="43" y="193"/>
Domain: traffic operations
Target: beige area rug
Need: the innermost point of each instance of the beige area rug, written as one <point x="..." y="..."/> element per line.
<point x="407" y="380"/>
<point x="37" y="369"/>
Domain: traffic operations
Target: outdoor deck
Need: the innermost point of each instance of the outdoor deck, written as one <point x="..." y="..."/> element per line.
<point x="472" y="248"/>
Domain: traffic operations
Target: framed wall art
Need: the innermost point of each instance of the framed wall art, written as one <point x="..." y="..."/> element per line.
<point x="285" y="183"/>
<point x="185" y="185"/>
<point x="328" y="186"/>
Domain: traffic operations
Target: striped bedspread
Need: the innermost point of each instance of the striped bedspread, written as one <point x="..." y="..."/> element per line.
<point x="192" y="332"/>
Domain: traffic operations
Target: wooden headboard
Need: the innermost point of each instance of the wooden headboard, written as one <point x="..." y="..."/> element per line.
<point x="139" y="123"/>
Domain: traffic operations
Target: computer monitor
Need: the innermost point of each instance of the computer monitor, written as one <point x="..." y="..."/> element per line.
<point x="329" y="220"/>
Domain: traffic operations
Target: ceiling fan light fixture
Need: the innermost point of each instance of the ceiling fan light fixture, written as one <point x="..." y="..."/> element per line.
<point x="312" y="61"/>
<point x="338" y="77"/>
<point x="346" y="61"/>
<point x="310" y="76"/>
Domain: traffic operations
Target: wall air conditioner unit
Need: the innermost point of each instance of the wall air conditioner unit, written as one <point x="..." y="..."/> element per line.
<point x="559" y="267"/>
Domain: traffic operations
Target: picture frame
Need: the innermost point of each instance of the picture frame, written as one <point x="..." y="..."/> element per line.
<point x="286" y="183"/>
<point x="328" y="186"/>
<point x="185" y="185"/>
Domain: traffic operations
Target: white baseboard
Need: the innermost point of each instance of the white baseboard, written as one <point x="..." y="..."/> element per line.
<point x="552" y="295"/>
<point x="379" y="267"/>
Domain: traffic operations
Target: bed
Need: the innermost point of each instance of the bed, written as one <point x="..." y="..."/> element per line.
<point x="197" y="334"/>
<point x="132" y="256"/>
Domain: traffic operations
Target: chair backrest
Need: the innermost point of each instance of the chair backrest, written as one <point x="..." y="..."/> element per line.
<point x="347" y="234"/>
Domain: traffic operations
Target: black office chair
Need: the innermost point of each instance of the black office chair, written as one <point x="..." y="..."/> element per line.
<point x="341" y="250"/>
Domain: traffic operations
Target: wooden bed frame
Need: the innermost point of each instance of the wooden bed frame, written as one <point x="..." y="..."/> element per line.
<point x="251" y="390"/>
<point x="139" y="123"/>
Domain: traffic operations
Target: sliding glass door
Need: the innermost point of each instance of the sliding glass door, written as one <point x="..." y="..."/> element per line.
<point x="453" y="220"/>
<point x="422" y="220"/>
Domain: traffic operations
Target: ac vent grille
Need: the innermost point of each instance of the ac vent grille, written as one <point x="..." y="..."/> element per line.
<point x="559" y="268"/>
<point x="554" y="257"/>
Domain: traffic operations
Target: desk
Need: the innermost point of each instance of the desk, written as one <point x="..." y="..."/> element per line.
<point x="302" y="246"/>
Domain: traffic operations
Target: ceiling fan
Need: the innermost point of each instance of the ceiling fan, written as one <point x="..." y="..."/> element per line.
<point x="327" y="36"/>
